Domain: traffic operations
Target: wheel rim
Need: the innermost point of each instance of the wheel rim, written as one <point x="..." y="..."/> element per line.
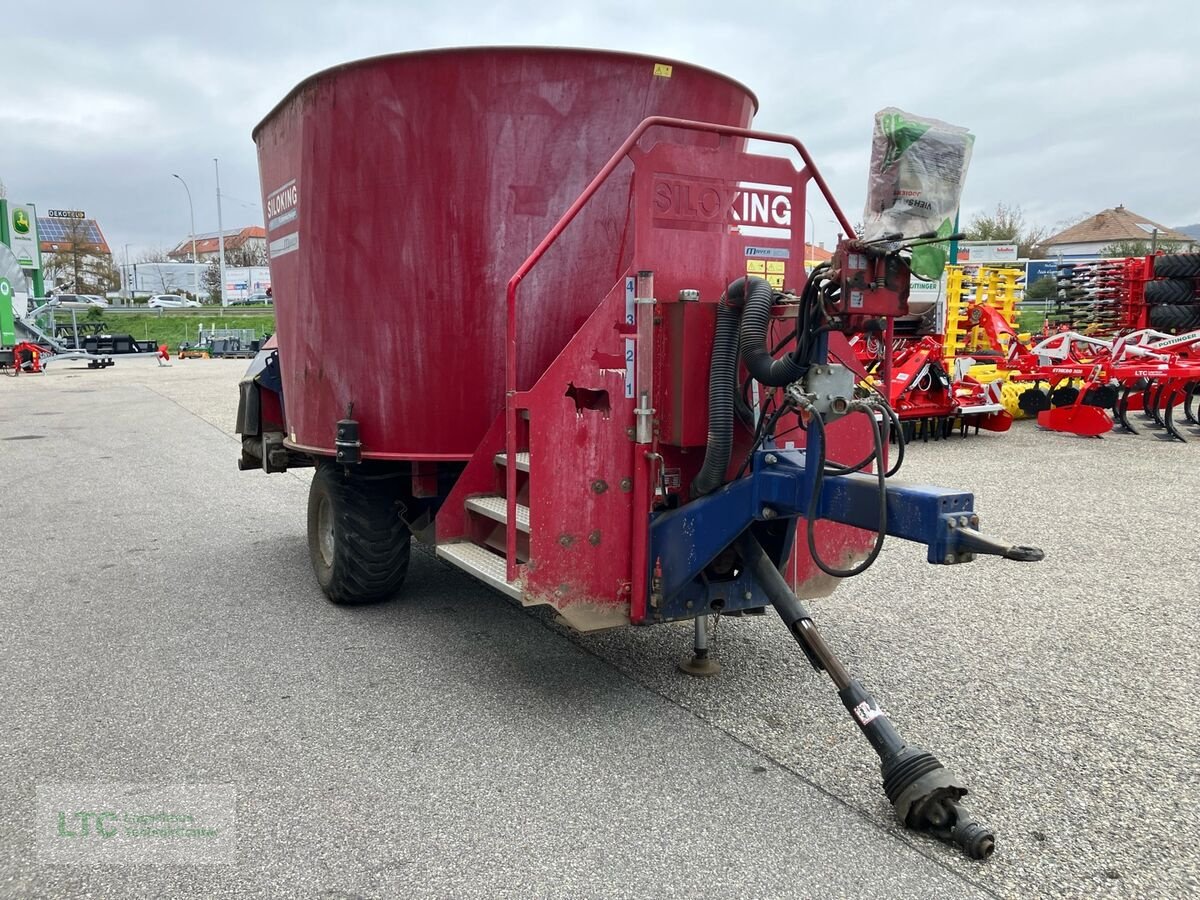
<point x="325" y="531"/>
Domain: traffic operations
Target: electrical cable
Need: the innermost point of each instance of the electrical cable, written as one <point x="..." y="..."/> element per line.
<point x="886" y="407"/>
<point x="815" y="496"/>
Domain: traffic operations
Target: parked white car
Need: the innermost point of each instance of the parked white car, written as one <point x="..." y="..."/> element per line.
<point x="171" y="301"/>
<point x="78" y="301"/>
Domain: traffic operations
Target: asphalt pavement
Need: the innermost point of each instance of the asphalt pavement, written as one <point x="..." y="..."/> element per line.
<point x="162" y="627"/>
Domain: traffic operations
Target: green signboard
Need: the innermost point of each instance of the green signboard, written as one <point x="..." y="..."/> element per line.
<point x="18" y="230"/>
<point x="8" y="332"/>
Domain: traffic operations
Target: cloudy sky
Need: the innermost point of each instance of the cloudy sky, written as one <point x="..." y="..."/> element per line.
<point x="1077" y="106"/>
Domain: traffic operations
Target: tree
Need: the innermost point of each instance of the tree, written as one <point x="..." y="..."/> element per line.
<point x="1007" y="223"/>
<point x="1121" y="249"/>
<point x="246" y="255"/>
<point x="1045" y="288"/>
<point x="79" y="265"/>
<point x="153" y="255"/>
<point x="211" y="280"/>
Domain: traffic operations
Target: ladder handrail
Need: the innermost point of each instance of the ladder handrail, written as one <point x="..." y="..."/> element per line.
<point x="510" y="363"/>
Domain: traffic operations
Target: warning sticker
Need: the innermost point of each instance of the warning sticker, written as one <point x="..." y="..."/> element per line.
<point x="662" y="70"/>
<point x="773" y="270"/>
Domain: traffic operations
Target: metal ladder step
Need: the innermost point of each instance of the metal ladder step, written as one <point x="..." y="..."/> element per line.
<point x="496" y="508"/>
<point x="482" y="564"/>
<point x="522" y="460"/>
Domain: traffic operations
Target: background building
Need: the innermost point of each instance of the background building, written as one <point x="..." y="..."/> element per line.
<point x="245" y="246"/>
<point x="143" y="279"/>
<point x="76" y="258"/>
<point x="1089" y="238"/>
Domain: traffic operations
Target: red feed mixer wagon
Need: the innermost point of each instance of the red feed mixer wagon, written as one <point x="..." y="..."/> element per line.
<point x="545" y="310"/>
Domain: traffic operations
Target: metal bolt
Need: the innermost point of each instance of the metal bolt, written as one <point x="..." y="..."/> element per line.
<point x="768" y="513"/>
<point x="974" y="521"/>
<point x="749" y="595"/>
<point x="963" y="521"/>
<point x="626" y="485"/>
<point x="599" y="485"/>
<point x="770" y="459"/>
<point x="687" y="295"/>
<point x="688" y="605"/>
<point x="949" y="560"/>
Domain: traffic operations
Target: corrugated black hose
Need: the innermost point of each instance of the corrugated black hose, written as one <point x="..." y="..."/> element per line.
<point x="756" y="319"/>
<point x="722" y="383"/>
<point x="745" y="308"/>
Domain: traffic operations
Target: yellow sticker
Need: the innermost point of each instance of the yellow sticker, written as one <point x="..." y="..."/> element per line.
<point x="756" y="265"/>
<point x="775" y="265"/>
<point x="776" y="281"/>
<point x="662" y="70"/>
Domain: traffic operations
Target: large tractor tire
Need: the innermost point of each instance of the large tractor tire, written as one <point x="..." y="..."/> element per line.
<point x="1175" y="318"/>
<point x="1171" y="291"/>
<point x="357" y="540"/>
<point x="1177" y="265"/>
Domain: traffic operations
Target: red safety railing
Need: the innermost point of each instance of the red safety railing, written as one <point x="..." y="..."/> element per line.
<point x="511" y="394"/>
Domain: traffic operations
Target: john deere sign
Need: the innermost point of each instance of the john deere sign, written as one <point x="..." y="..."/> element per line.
<point x="22" y="237"/>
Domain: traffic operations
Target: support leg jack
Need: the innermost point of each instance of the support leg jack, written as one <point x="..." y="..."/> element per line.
<point x="700" y="664"/>
<point x="923" y="792"/>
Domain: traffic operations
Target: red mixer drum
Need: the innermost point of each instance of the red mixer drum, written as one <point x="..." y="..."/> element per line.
<point x="401" y="194"/>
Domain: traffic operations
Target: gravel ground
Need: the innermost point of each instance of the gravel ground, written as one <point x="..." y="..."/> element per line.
<point x="454" y="744"/>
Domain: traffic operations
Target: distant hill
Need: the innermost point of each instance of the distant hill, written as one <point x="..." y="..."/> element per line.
<point x="1192" y="231"/>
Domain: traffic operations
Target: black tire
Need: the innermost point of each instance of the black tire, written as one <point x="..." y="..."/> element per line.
<point x="1177" y="265"/>
<point x="357" y="540"/>
<point x="1175" y="318"/>
<point x="1171" y="291"/>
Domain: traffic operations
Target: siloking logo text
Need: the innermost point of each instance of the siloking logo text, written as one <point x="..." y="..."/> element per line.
<point x="281" y="205"/>
<point x="676" y="198"/>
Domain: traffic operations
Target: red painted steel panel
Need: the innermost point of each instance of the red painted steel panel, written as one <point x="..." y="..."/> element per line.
<point x="584" y="464"/>
<point x="403" y="191"/>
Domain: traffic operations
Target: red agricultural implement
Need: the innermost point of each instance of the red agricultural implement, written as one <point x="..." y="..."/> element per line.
<point x="930" y="401"/>
<point x="27" y="357"/>
<point x="1076" y="378"/>
<point x="515" y="320"/>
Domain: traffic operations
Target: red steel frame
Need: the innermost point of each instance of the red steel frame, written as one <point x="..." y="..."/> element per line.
<point x="513" y="398"/>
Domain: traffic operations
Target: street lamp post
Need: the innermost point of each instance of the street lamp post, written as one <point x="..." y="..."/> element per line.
<point x="220" y="233"/>
<point x="125" y="280"/>
<point x="812" y="236"/>
<point x="192" y="215"/>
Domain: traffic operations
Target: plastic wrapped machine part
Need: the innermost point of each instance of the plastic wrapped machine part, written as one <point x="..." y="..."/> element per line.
<point x="918" y="167"/>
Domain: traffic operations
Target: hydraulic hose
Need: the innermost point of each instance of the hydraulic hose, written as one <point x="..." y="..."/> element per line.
<point x="722" y="385"/>
<point x="756" y="318"/>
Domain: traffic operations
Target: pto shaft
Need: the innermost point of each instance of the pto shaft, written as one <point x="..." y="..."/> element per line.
<point x="925" y="795"/>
